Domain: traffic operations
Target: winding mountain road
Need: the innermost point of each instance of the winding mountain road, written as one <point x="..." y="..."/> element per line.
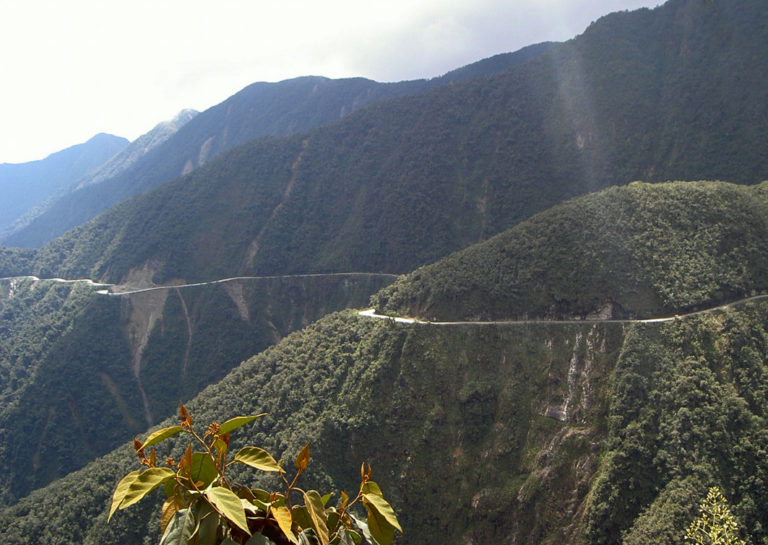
<point x="116" y="290"/>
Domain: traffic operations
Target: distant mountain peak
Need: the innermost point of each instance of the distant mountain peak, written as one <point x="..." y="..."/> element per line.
<point x="184" y="116"/>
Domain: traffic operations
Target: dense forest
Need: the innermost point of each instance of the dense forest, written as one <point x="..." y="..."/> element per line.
<point x="506" y="193"/>
<point x="637" y="251"/>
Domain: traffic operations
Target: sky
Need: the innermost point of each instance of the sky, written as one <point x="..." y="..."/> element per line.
<point x="72" y="69"/>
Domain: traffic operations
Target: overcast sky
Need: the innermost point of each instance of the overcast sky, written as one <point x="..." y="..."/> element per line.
<point x="71" y="69"/>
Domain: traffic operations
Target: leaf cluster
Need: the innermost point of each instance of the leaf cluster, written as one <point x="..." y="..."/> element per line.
<point x="205" y="507"/>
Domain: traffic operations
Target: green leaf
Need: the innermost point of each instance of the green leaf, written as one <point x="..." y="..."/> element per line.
<point x="326" y="498"/>
<point x="255" y="506"/>
<point x="203" y="468"/>
<point x="161" y="435"/>
<point x="121" y="490"/>
<point x="381" y="531"/>
<point x="316" y="510"/>
<point x="169" y="488"/>
<point x="220" y="447"/>
<point x="237" y="422"/>
<point x="258" y="458"/>
<point x="260" y="494"/>
<point x="207" y="530"/>
<point x="383" y="508"/>
<point x="300" y="515"/>
<point x="228" y="504"/>
<point x="144" y="483"/>
<point x="181" y="528"/>
<point x="284" y="521"/>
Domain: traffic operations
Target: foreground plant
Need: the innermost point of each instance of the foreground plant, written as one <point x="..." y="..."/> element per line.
<point x="203" y="507"/>
<point x="715" y="525"/>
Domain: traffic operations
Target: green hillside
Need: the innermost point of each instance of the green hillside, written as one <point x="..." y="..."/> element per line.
<point x="542" y="434"/>
<point x="406" y="181"/>
<point x="552" y="429"/>
<point x="637" y="251"/>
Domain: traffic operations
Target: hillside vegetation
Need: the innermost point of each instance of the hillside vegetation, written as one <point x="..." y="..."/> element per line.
<point x="540" y="434"/>
<point x="637" y="251"/>
<point x="548" y="433"/>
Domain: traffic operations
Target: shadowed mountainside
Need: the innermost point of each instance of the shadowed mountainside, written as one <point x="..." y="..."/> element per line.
<point x="637" y="251"/>
<point x="541" y="433"/>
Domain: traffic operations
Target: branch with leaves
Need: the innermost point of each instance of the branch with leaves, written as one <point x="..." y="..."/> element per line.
<point x="203" y="507"/>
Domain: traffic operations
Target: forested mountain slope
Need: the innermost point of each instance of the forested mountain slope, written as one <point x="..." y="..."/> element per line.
<point x="24" y="186"/>
<point x="638" y="251"/>
<point x="283" y="108"/>
<point x="547" y="433"/>
<point x="406" y="181"/>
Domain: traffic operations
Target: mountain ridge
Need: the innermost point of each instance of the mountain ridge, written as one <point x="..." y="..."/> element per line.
<point x="464" y="161"/>
<point x="260" y="109"/>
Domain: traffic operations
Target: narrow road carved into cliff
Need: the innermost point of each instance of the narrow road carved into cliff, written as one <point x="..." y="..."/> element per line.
<point x="371" y="313"/>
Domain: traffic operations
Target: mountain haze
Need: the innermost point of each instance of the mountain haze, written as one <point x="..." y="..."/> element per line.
<point x="26" y="186"/>
<point x="118" y="163"/>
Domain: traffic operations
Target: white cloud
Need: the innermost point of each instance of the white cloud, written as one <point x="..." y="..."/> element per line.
<point x="71" y="69"/>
